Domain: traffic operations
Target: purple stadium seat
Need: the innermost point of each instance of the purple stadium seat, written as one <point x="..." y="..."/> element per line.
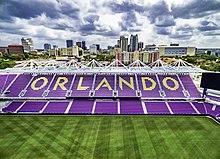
<point x="56" y="107"/>
<point x="87" y="82"/>
<point x="19" y="84"/>
<point x="157" y="108"/>
<point x="171" y="93"/>
<point x="104" y="91"/>
<point x="181" y="108"/>
<point x="33" y="106"/>
<point x="81" y="106"/>
<point x="38" y="93"/>
<point x="106" y="107"/>
<point x="12" y="107"/>
<point x="59" y="92"/>
<point x="5" y="81"/>
<point x="190" y="86"/>
<point x="200" y="107"/>
<point x="210" y="109"/>
<point x="214" y="98"/>
<point x="148" y="93"/>
<point x="126" y="91"/>
<point x="131" y="107"/>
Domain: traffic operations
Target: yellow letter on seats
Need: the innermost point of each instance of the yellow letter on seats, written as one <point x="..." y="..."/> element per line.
<point x="104" y="83"/>
<point x="61" y="85"/>
<point x="80" y="87"/>
<point x="153" y="83"/>
<point x="33" y="85"/>
<point x="130" y="85"/>
<point x="176" y="84"/>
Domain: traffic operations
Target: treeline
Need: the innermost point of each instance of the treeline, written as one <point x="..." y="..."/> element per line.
<point x="9" y="60"/>
<point x="204" y="61"/>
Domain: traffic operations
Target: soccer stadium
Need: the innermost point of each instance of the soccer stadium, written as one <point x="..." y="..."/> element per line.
<point x="72" y="110"/>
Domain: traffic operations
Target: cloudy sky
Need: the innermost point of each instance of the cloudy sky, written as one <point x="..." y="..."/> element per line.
<point x="188" y="22"/>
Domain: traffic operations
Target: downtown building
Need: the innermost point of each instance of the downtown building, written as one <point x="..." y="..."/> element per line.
<point x="27" y="43"/>
<point x="133" y="43"/>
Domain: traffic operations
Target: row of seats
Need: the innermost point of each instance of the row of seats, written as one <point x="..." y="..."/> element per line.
<point x="145" y="86"/>
<point x="122" y="106"/>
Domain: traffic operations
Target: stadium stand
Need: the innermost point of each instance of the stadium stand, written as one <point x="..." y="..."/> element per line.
<point x="104" y="90"/>
<point x="157" y="108"/>
<point x="56" y="107"/>
<point x="81" y="106"/>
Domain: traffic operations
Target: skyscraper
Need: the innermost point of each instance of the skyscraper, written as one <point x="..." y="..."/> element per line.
<point x="83" y="45"/>
<point x="140" y="46"/>
<point x="47" y="47"/>
<point x="133" y="43"/>
<point x="98" y="47"/>
<point x="79" y="44"/>
<point x="27" y="43"/>
<point x="69" y="43"/>
<point x="123" y="43"/>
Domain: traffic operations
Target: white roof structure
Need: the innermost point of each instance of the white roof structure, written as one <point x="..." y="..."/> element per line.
<point x="71" y="67"/>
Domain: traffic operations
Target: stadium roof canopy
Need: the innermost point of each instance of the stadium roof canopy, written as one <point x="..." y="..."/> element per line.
<point x="53" y="66"/>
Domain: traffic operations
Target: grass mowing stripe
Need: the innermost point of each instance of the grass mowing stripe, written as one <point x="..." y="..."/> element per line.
<point x="157" y="140"/>
<point x="131" y="148"/>
<point x="146" y="148"/>
<point x="116" y="139"/>
<point x="103" y="138"/>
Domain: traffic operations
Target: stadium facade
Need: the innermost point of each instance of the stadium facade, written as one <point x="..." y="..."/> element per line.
<point x="72" y="88"/>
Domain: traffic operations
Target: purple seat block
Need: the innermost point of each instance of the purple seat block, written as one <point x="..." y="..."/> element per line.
<point x="109" y="107"/>
<point x="81" y="106"/>
<point x="59" y="92"/>
<point x="38" y="93"/>
<point x="12" y="107"/>
<point x="5" y="81"/>
<point x="19" y="84"/>
<point x="181" y="108"/>
<point x="126" y="91"/>
<point x="131" y="107"/>
<point x="56" y="107"/>
<point x="171" y="93"/>
<point x="210" y="109"/>
<point x="149" y="93"/>
<point x="200" y="107"/>
<point x="104" y="91"/>
<point x="35" y="106"/>
<point x="157" y="108"/>
<point x="190" y="86"/>
<point x="87" y="82"/>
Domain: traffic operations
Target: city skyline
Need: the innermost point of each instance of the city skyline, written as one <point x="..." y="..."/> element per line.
<point x="189" y="22"/>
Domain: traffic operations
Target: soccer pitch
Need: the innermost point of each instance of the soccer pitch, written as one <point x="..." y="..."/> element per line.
<point x="105" y="137"/>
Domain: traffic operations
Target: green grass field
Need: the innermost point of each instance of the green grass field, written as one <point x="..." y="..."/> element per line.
<point x="105" y="137"/>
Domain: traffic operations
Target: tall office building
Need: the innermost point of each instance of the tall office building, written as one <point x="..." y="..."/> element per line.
<point x="69" y="43"/>
<point x="140" y="46"/>
<point x="47" y="47"/>
<point x="79" y="44"/>
<point x="84" y="45"/>
<point x="27" y="43"/>
<point x="98" y="47"/>
<point x="133" y="43"/>
<point x="93" y="49"/>
<point x="123" y="43"/>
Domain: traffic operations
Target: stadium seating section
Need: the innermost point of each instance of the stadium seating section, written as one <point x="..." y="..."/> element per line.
<point x="103" y="94"/>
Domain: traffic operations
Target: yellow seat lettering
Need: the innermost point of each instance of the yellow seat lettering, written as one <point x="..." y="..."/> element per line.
<point x="153" y="83"/>
<point x="176" y="84"/>
<point x="60" y="84"/>
<point x="129" y="84"/>
<point x="104" y="83"/>
<point x="33" y="85"/>
<point x="80" y="87"/>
